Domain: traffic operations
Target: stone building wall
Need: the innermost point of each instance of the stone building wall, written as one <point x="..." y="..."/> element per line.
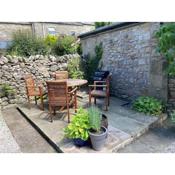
<point x="13" y="69"/>
<point x="7" y="30"/>
<point x="129" y="53"/>
<point x="42" y="29"/>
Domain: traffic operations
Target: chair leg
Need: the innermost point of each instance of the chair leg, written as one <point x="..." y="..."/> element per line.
<point x="75" y="102"/>
<point x="29" y="104"/>
<point x="42" y="103"/>
<point x="95" y="100"/>
<point x="89" y="99"/>
<point x="68" y="114"/>
<point x="35" y="100"/>
<point x="50" y="111"/>
<point x="106" y="104"/>
<point x="108" y="101"/>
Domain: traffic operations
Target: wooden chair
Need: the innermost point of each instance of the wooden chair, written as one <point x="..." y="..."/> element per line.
<point x="59" y="96"/>
<point x="33" y="90"/>
<point x="59" y="75"/>
<point x="95" y="92"/>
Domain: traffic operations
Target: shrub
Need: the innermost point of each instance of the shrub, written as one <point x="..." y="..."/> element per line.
<point x="94" y="119"/>
<point x="6" y="91"/>
<point x="74" y="69"/>
<point x="26" y="44"/>
<point x="79" y="126"/>
<point x="101" y="24"/>
<point x="51" y="41"/>
<point x="90" y="63"/>
<point x="66" y="45"/>
<point x="148" y="105"/>
<point x="166" y="45"/>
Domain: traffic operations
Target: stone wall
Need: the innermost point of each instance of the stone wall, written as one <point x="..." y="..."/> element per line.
<point x="13" y="69"/>
<point x="41" y="29"/>
<point x="129" y="53"/>
<point x="171" y="93"/>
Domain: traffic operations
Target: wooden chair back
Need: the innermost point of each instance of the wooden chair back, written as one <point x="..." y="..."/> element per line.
<point x="59" y="75"/>
<point x="57" y="93"/>
<point x="30" y="84"/>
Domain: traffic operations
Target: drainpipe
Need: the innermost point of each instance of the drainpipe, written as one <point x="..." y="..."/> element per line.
<point x="43" y="30"/>
<point x="33" y="28"/>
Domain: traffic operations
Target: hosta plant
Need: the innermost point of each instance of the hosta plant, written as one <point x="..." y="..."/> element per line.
<point x="148" y="105"/>
<point x="79" y="126"/>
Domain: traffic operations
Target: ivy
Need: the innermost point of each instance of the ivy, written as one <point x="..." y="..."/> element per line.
<point x="166" y="45"/>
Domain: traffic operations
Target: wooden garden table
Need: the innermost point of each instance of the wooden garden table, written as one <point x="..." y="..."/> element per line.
<point x="73" y="82"/>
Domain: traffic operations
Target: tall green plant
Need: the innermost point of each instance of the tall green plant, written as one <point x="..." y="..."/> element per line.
<point x="74" y="68"/>
<point x="26" y="44"/>
<point x="91" y="62"/>
<point x="94" y="118"/>
<point x="166" y="45"/>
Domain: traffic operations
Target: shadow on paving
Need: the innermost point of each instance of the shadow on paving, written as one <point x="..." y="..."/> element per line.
<point x="157" y="140"/>
<point x="28" y="139"/>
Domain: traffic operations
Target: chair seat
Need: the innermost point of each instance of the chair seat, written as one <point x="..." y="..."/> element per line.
<point x="98" y="93"/>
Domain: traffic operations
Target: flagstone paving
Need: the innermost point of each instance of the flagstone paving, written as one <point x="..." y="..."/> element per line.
<point x="7" y="142"/>
<point x="125" y="125"/>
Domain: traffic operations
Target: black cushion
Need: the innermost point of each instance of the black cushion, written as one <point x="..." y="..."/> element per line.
<point x="102" y="74"/>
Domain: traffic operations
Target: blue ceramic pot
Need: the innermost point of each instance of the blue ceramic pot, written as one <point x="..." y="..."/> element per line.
<point x="79" y="142"/>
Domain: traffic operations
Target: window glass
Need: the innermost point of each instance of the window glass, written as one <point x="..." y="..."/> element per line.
<point x="51" y="31"/>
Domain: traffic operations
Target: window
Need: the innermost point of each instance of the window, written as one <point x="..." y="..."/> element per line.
<point x="51" y="31"/>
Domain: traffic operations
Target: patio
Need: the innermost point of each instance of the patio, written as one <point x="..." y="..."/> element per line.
<point x="125" y="125"/>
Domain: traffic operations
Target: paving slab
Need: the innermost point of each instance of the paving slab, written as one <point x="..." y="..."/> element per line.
<point x="125" y="125"/>
<point x="54" y="131"/>
<point x="7" y="142"/>
<point x="28" y="139"/>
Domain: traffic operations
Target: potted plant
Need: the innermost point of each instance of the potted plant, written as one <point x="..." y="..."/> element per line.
<point x="78" y="128"/>
<point x="97" y="132"/>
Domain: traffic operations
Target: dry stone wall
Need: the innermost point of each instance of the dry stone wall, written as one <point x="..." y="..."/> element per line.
<point x="13" y="69"/>
<point x="130" y="54"/>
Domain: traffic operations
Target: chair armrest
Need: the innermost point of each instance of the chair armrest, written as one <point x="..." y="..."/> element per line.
<point x="95" y="82"/>
<point x="73" y="90"/>
<point x="97" y="85"/>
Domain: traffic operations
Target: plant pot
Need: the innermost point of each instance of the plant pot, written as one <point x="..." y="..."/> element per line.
<point x="98" y="140"/>
<point x="79" y="142"/>
<point x="104" y="121"/>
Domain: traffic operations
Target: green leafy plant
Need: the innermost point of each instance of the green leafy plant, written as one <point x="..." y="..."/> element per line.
<point x="79" y="126"/>
<point x="95" y="118"/>
<point x="6" y="91"/>
<point x="26" y="44"/>
<point x="66" y="45"/>
<point x="148" y="105"/>
<point x="101" y="24"/>
<point x="90" y="63"/>
<point x="74" y="68"/>
<point x="166" y="45"/>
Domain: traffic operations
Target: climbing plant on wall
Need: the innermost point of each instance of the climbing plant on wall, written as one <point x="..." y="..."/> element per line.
<point x="166" y="45"/>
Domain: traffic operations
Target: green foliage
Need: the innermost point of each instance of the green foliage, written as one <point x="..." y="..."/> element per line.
<point x="148" y="105"/>
<point x="26" y="44"/>
<point x="166" y="45"/>
<point x="66" y="45"/>
<point x="79" y="126"/>
<point x="50" y="40"/>
<point x="94" y="118"/>
<point x="101" y="24"/>
<point x="74" y="68"/>
<point x="6" y="90"/>
<point x="172" y="115"/>
<point x="90" y="63"/>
